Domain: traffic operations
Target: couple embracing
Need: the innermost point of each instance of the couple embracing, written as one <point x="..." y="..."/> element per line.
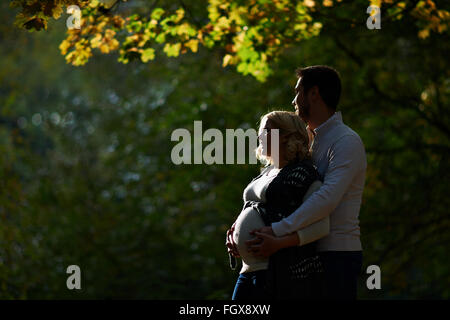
<point x="298" y="233"/>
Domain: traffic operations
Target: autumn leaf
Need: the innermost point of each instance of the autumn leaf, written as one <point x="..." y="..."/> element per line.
<point x="226" y="60"/>
<point x="157" y="13"/>
<point x="147" y="55"/>
<point x="192" y="44"/>
<point x="172" y="50"/>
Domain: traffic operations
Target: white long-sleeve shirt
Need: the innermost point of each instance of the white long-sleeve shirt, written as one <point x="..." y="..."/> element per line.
<point x="339" y="155"/>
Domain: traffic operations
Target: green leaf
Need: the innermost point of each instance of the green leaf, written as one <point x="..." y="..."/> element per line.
<point x="161" y="38"/>
<point x="148" y="54"/>
<point x="157" y="13"/>
<point x="172" y="50"/>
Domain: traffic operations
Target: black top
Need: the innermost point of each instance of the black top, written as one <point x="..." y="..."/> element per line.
<point x="294" y="272"/>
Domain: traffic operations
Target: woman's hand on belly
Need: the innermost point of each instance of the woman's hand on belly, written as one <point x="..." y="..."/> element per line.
<point x="232" y="249"/>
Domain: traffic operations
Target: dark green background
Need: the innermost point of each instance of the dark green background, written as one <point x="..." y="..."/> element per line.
<point x="93" y="183"/>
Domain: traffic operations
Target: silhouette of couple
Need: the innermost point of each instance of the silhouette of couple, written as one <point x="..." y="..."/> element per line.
<point x="298" y="233"/>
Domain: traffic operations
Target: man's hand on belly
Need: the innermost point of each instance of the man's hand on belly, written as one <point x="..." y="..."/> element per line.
<point x="266" y="244"/>
<point x="268" y="230"/>
<point x="263" y="245"/>
<point x="256" y="245"/>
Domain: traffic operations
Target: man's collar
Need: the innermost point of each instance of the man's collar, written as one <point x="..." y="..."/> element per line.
<point x="335" y="118"/>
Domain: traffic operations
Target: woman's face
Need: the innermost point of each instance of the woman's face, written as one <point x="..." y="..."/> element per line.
<point x="264" y="136"/>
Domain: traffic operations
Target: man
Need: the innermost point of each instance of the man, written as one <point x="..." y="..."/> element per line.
<point x="339" y="155"/>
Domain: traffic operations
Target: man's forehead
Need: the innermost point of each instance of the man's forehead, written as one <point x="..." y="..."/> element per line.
<point x="298" y="84"/>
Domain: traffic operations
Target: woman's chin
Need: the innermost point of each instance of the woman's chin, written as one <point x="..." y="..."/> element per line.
<point x="265" y="153"/>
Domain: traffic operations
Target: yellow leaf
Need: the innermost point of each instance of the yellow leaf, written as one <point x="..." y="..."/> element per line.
<point x="57" y="11"/>
<point x="182" y="29"/>
<point x="309" y="3"/>
<point x="172" y="50"/>
<point x="180" y="15"/>
<point x="424" y="33"/>
<point x="104" y="48"/>
<point x="223" y="23"/>
<point x="96" y="41"/>
<point x="64" y="46"/>
<point x="147" y="55"/>
<point x="226" y="60"/>
<point x="94" y="3"/>
<point x="113" y="44"/>
<point x="192" y="44"/>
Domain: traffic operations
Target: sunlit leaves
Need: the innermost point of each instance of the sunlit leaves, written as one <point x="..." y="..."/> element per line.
<point x="172" y="50"/>
<point x="430" y="18"/>
<point x="35" y="14"/>
<point x="98" y="32"/>
<point x="105" y="42"/>
<point x="253" y="33"/>
<point x="226" y="60"/>
<point x="81" y="53"/>
<point x="157" y="13"/>
<point x="396" y="11"/>
<point x="148" y="54"/>
<point x="192" y="44"/>
<point x="161" y="38"/>
<point x="57" y="12"/>
<point x="309" y="3"/>
<point x="259" y="31"/>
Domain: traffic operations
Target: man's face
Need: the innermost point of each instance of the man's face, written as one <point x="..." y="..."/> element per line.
<point x="300" y="103"/>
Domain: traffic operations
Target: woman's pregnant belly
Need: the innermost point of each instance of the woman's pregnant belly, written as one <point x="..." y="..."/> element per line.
<point x="248" y="220"/>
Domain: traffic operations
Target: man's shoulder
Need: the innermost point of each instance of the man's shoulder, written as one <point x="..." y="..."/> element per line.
<point x="351" y="134"/>
<point x="344" y="134"/>
<point x="346" y="140"/>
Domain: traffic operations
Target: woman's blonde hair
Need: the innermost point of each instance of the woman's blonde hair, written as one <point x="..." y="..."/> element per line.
<point x="291" y="125"/>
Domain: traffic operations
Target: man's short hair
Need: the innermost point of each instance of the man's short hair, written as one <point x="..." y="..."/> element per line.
<point x="326" y="79"/>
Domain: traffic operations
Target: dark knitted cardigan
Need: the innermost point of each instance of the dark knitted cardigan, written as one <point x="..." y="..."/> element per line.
<point x="294" y="272"/>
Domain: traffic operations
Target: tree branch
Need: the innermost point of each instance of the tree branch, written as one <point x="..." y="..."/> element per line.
<point x="410" y="102"/>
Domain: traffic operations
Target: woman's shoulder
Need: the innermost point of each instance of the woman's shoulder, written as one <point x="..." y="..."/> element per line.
<point x="266" y="168"/>
<point x="262" y="171"/>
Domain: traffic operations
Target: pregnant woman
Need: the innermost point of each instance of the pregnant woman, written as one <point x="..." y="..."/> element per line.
<point x="293" y="271"/>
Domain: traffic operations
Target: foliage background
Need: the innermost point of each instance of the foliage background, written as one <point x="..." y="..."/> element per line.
<point x="86" y="176"/>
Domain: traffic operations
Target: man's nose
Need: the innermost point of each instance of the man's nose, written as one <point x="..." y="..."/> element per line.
<point x="293" y="102"/>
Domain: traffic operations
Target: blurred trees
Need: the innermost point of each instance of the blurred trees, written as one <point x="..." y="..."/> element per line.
<point x="85" y="170"/>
